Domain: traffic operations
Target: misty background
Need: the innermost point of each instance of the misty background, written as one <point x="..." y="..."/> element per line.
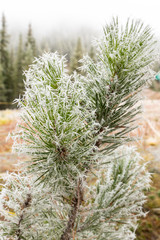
<point x="29" y="28"/>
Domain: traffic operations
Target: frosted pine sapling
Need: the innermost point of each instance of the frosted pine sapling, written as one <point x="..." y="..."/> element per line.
<point x="81" y="181"/>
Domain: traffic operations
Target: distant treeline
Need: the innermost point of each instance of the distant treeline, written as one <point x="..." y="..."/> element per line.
<point x="15" y="60"/>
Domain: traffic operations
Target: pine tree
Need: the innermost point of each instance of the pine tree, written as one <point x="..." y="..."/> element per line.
<point x="19" y="68"/>
<point x="77" y="55"/>
<point x="2" y="88"/>
<point x="30" y="40"/>
<point x="4" y="58"/>
<point x="82" y="182"/>
<point x="30" y="48"/>
<point x="11" y="75"/>
<point x="92" y="53"/>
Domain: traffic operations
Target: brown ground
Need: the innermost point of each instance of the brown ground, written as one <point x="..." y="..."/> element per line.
<point x="149" y="228"/>
<point x="8" y="120"/>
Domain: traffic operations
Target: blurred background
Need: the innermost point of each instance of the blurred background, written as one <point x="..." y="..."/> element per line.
<point x="29" y="28"/>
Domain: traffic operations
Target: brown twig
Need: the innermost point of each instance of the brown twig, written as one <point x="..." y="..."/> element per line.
<point x="76" y="202"/>
<point x="25" y="205"/>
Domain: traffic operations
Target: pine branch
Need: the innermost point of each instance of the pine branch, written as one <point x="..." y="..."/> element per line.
<point x="69" y="126"/>
<point x="25" y="205"/>
<point x="76" y="202"/>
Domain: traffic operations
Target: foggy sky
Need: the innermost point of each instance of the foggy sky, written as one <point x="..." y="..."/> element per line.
<point x="48" y="15"/>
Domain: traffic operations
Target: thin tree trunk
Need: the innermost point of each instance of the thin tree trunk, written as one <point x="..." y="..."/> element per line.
<point x="76" y="202"/>
<point x="25" y="205"/>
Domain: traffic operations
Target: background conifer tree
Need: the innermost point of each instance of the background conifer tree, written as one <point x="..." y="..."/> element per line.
<point x="2" y="87"/>
<point x="82" y="181"/>
<point x="11" y="75"/>
<point x="30" y="48"/>
<point x="30" y="40"/>
<point x="19" y="65"/>
<point x="92" y="53"/>
<point x="77" y="55"/>
<point x="4" y="58"/>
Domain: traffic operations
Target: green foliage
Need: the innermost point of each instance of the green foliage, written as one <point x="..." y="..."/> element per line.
<point x="25" y="210"/>
<point x="114" y="81"/>
<point x="109" y="209"/>
<point x="64" y="129"/>
<point x="117" y="188"/>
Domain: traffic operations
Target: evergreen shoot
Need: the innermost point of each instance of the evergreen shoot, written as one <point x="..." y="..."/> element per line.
<point x="82" y="181"/>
